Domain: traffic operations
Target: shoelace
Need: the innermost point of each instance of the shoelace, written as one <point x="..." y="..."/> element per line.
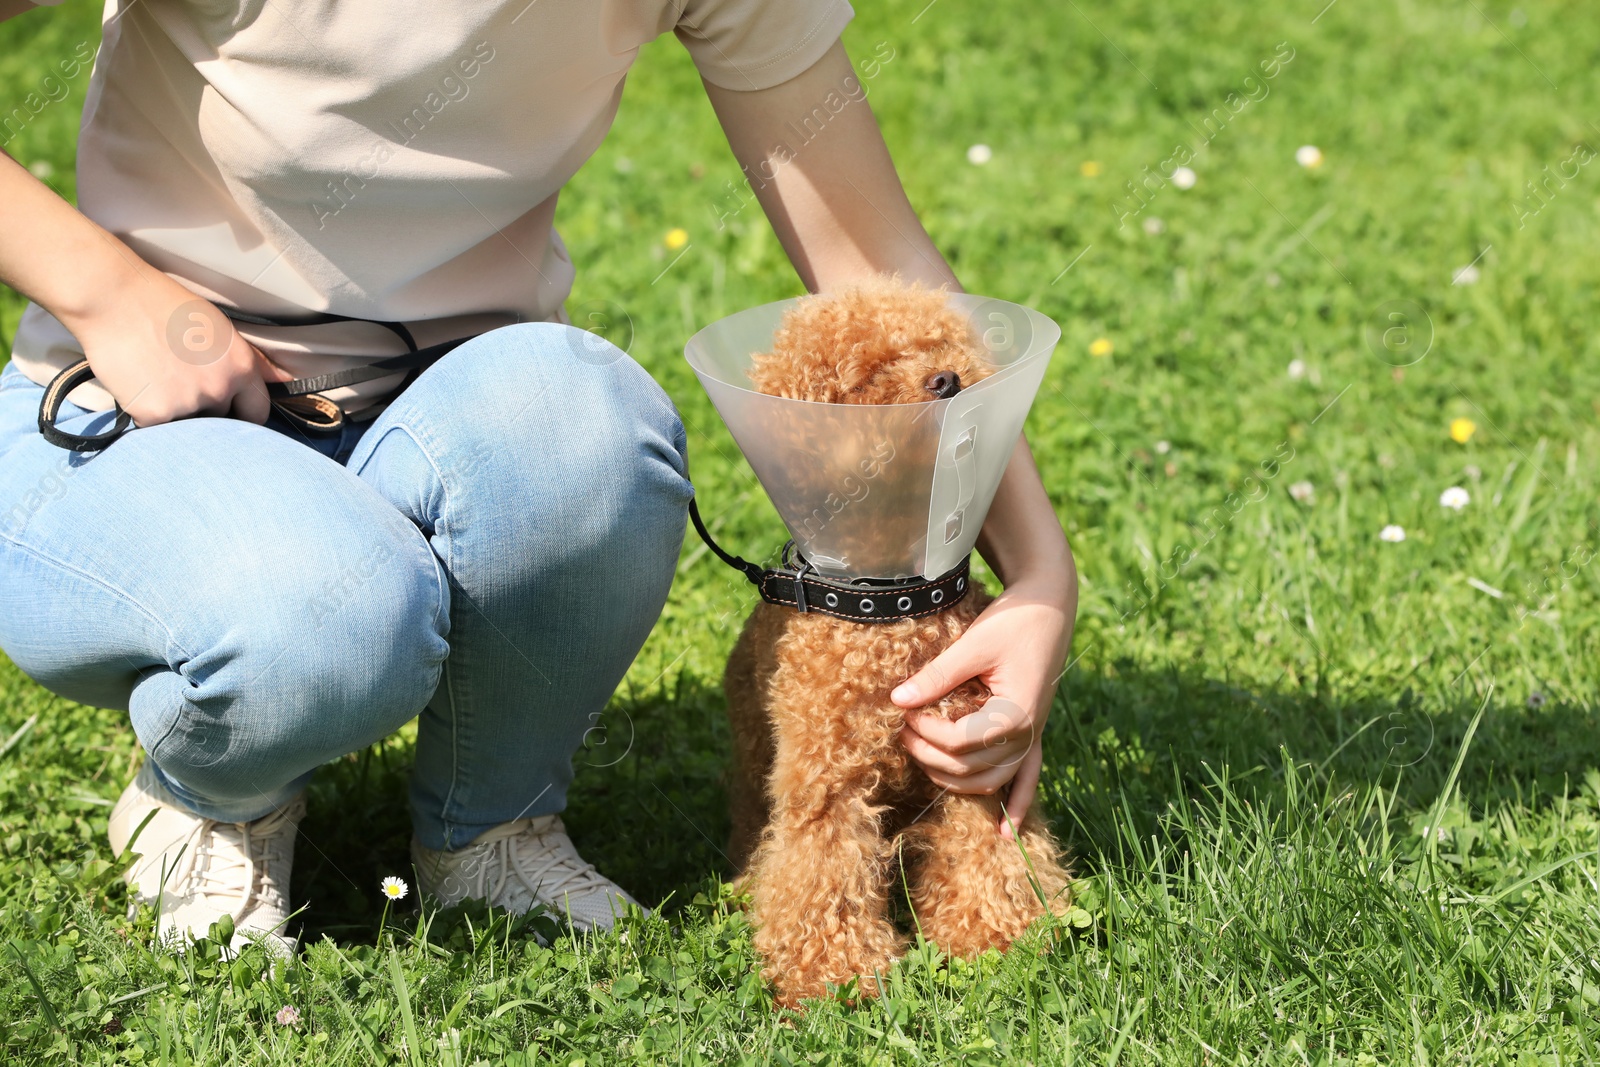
<point x="534" y="856"/>
<point x="232" y="870"/>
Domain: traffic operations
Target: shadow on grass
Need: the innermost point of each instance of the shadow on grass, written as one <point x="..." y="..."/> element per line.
<point x="1128" y="742"/>
<point x="649" y="809"/>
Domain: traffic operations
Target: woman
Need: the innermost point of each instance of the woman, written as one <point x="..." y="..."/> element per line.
<point x="487" y="548"/>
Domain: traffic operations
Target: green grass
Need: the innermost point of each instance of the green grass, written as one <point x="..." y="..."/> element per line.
<point x="1331" y="801"/>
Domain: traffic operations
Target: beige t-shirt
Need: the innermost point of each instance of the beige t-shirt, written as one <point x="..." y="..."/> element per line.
<point x="382" y="159"/>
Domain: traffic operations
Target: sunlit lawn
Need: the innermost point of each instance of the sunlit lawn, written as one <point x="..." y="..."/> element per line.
<point x="1333" y="799"/>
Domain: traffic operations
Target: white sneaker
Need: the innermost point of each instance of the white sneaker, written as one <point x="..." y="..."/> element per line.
<point x="519" y="864"/>
<point x="200" y="869"/>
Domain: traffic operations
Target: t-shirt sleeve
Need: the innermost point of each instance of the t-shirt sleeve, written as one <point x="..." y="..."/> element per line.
<point x="756" y="44"/>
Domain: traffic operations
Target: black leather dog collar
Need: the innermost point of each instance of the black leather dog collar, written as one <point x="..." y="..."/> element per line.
<point x="797" y="585"/>
<point x="865" y="600"/>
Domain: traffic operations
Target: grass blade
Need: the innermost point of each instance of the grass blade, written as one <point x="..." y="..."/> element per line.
<point x="19" y="734"/>
<point x="403" y="995"/>
<point x="45" y="1007"/>
<point x="1432" y="844"/>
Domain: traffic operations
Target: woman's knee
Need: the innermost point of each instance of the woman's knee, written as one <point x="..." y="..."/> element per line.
<point x="540" y="421"/>
<point x="515" y="383"/>
<point x="325" y="667"/>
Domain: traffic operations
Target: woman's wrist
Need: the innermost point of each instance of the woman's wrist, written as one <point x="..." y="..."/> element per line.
<point x="112" y="284"/>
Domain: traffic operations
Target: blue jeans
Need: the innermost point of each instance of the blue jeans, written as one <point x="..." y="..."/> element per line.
<point x="489" y="553"/>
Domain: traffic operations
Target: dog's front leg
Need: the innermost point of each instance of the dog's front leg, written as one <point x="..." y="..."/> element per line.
<point x="973" y="889"/>
<point x="819" y="880"/>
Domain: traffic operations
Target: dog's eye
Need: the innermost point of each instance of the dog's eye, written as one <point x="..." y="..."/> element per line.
<point x="944" y="385"/>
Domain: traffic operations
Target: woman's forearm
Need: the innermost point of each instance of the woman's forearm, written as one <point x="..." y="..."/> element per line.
<point x="54" y="255"/>
<point x="1022" y="539"/>
<point x="123" y="311"/>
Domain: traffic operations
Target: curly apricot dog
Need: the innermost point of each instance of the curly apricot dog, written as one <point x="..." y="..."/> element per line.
<point x="827" y="807"/>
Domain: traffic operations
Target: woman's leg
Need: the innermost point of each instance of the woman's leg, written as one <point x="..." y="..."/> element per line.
<point x="256" y="607"/>
<point x="547" y="470"/>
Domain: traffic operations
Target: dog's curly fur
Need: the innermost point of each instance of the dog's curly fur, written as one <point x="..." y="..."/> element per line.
<point x="827" y="807"/>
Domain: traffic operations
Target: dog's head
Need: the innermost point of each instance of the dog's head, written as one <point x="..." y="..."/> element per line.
<point x="881" y="343"/>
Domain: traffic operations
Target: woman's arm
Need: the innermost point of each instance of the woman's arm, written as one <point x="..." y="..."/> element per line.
<point x="834" y="200"/>
<point x="162" y="352"/>
<point x="837" y="206"/>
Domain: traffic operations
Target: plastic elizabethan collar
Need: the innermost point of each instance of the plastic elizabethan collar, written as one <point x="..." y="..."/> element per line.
<point x="880" y="490"/>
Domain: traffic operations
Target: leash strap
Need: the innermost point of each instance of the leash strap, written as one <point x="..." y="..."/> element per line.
<point x="50" y="408"/>
<point x="860" y="600"/>
<point x="298" y="402"/>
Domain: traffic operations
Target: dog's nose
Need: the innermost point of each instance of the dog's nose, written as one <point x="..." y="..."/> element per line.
<point x="944" y="385"/>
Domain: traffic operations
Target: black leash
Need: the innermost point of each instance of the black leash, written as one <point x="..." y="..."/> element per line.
<point x="298" y="402"/>
<point x="796" y="584"/>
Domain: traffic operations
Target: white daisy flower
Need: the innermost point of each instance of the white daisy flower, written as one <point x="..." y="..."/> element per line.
<point x="1302" y="492"/>
<point x="1467" y="275"/>
<point x="1153" y="226"/>
<point x="1455" y="498"/>
<point x="1536" y="700"/>
<point x="1297" y="369"/>
<point x="394" y="888"/>
<point x="42" y="169"/>
<point x="1163" y="447"/>
<point x="1184" y="178"/>
<point x="1308" y="156"/>
<point x="979" y="154"/>
<point x="1392" y="533"/>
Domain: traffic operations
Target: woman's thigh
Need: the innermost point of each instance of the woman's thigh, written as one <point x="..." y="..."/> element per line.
<point x="257" y="607"/>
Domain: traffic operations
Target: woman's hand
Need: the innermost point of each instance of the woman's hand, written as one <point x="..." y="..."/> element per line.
<point x="1016" y="648"/>
<point x="166" y="354"/>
